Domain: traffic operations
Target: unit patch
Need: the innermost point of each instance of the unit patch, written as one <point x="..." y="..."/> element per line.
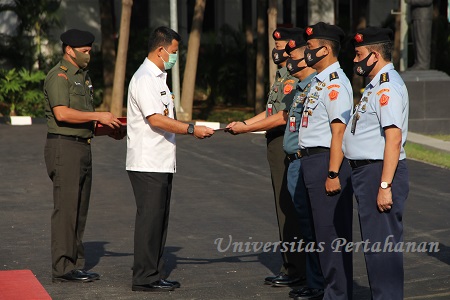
<point x="384" y="100"/>
<point x="63" y="75"/>
<point x="333" y="95"/>
<point x="287" y="89"/>
<point x="333" y="86"/>
<point x="382" y="91"/>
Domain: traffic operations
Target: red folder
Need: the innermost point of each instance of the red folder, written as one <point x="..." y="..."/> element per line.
<point x="101" y="129"/>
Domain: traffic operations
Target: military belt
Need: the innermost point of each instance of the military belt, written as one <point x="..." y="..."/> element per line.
<point x="294" y="156"/>
<point x="313" y="150"/>
<point x="359" y="163"/>
<point x="70" y="138"/>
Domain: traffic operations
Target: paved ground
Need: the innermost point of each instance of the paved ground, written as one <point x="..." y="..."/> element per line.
<point x="222" y="189"/>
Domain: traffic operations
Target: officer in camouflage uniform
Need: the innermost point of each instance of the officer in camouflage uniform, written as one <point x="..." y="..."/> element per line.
<point x="70" y="119"/>
<point x="273" y="121"/>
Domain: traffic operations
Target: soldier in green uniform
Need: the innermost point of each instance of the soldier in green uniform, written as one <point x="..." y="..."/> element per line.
<point x="273" y="121"/>
<point x="70" y="119"/>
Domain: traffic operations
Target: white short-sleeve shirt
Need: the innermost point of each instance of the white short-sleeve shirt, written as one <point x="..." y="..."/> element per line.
<point x="149" y="149"/>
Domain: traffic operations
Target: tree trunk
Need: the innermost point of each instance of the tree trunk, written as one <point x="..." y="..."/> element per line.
<point x="121" y="60"/>
<point x="272" y="12"/>
<point x="108" y="51"/>
<point x="190" y="71"/>
<point x="250" y="51"/>
<point x="260" y="56"/>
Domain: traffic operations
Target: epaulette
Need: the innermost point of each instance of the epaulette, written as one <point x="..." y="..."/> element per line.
<point x="64" y="68"/>
<point x="334" y="75"/>
<point x="384" y="77"/>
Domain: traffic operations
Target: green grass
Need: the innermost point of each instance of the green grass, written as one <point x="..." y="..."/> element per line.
<point x="444" y="137"/>
<point x="423" y="153"/>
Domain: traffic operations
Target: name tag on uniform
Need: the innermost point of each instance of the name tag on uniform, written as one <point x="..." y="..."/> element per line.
<point x="305" y="119"/>
<point x="292" y="124"/>
<point x="270" y="109"/>
<point x="163" y="93"/>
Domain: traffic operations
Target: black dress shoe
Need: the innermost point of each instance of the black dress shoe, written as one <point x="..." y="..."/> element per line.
<point x="175" y="284"/>
<point x="308" y="293"/>
<point x="73" y="276"/>
<point x="92" y="275"/>
<point x="285" y="280"/>
<point x="270" y="279"/>
<point x="157" y="286"/>
<point x="296" y="292"/>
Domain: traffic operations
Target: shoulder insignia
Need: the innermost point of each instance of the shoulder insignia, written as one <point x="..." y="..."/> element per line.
<point x="383" y="91"/>
<point x="63" y="75"/>
<point x="334" y="75"/>
<point x="64" y="68"/>
<point x="384" y="77"/>
<point x="333" y="86"/>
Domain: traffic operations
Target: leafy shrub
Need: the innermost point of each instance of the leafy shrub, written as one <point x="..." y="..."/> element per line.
<point x="21" y="92"/>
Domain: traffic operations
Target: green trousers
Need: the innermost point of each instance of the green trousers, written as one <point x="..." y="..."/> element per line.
<point x="69" y="166"/>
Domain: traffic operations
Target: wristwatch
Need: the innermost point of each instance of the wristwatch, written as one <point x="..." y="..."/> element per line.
<point x="332" y="174"/>
<point x="190" y="129"/>
<point x="384" y="185"/>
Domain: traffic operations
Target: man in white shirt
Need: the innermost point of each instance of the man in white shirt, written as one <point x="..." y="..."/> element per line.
<point x="151" y="157"/>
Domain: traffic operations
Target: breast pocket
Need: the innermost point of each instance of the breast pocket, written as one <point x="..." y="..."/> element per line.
<point x="77" y="97"/>
<point x="79" y="90"/>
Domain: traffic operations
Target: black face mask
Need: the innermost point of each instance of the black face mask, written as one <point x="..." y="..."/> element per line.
<point x="277" y="56"/>
<point x="311" y="56"/>
<point x="292" y="65"/>
<point x="361" y="68"/>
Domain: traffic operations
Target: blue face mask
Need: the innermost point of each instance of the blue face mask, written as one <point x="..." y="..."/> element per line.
<point x="172" y="60"/>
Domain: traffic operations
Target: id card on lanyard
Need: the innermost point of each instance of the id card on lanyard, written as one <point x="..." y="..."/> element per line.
<point x="292" y="124"/>
<point x="270" y="109"/>
<point x="305" y="118"/>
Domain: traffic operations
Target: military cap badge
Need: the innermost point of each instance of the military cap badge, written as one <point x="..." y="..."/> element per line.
<point x="309" y="31"/>
<point x="277" y="35"/>
<point x="359" y="38"/>
<point x="292" y="43"/>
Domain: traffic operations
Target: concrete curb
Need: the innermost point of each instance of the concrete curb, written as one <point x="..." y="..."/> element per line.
<point x="428" y="141"/>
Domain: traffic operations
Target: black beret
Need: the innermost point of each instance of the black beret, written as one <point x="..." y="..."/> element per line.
<point x="77" y="38"/>
<point x="325" y="32"/>
<point x="373" y="35"/>
<point x="286" y="34"/>
<point x="297" y="42"/>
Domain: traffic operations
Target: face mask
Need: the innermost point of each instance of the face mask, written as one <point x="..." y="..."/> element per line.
<point x="81" y="59"/>
<point x="361" y="68"/>
<point x="277" y="56"/>
<point x="172" y="60"/>
<point x="311" y="56"/>
<point x="292" y="65"/>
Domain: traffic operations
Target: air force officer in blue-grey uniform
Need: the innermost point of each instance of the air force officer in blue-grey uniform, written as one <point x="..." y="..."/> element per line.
<point x="325" y="171"/>
<point x="297" y="67"/>
<point x="373" y="143"/>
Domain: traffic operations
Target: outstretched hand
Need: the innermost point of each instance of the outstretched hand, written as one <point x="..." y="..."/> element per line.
<point x="202" y="132"/>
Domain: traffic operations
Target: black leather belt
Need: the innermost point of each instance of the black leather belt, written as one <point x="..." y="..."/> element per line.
<point x="359" y="163"/>
<point x="292" y="157"/>
<point x="313" y="150"/>
<point x="67" y="137"/>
